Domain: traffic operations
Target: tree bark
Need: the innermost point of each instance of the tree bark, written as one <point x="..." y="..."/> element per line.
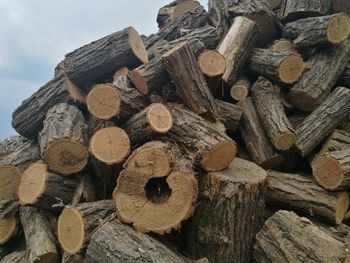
<point x="240" y="89"/>
<point x="63" y="139"/>
<point x="339" y="140"/>
<point x="11" y="144"/>
<point x="28" y="118"/>
<point x="16" y="257"/>
<point x="237" y="195"/>
<point x="344" y="78"/>
<point x="8" y="229"/>
<point x="286" y="237"/>
<point x="40" y="240"/>
<point x="229" y="115"/>
<point x="332" y="112"/>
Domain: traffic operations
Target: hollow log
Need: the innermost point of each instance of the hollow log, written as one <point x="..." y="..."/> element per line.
<point x="344" y="78"/>
<point x="8" y="229"/>
<point x="240" y="89"/>
<point x="236" y="194"/>
<point x="16" y="257"/>
<point x="229" y="115"/>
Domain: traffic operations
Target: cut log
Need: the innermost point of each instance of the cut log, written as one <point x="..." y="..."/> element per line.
<point x="190" y="83"/>
<point x="222" y="12"/>
<point x="292" y="10"/>
<point x="28" y="118"/>
<point x="116" y="242"/>
<point x="213" y="149"/>
<point x="237" y="45"/>
<point x="316" y="84"/>
<point x="255" y="138"/>
<point x="286" y="237"/>
<point x="77" y="223"/>
<point x="96" y="62"/>
<point x="236" y="195"/>
<point x="8" y="229"/>
<point x="344" y="78"/>
<point x="283" y="44"/>
<point x="16" y="257"/>
<point x="229" y="115"/>
<point x="240" y="89"/>
<point x="9" y="181"/>
<point x="332" y="169"/>
<point x="332" y="29"/>
<point x="41" y="188"/>
<point x="281" y="66"/>
<point x="40" y="240"/>
<point x="272" y="115"/>
<point x="332" y="112"/>
<point x="63" y="139"/>
<point x="110" y="145"/>
<point x="300" y="192"/>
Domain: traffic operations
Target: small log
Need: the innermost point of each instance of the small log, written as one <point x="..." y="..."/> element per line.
<point x="316" y="84"/>
<point x="300" y="192"/>
<point x="28" y="118"/>
<point x="8" y="229"/>
<point x="332" y="29"/>
<point x="344" y="78"/>
<point x="237" y="45"/>
<point x="190" y="83"/>
<point x="40" y="239"/>
<point x="96" y="62"/>
<point x="272" y="115"/>
<point x="240" y="89"/>
<point x="283" y="44"/>
<point x="39" y="187"/>
<point x="286" y="237"/>
<point x="229" y="115"/>
<point x="77" y="223"/>
<point x="332" y="112"/>
<point x="16" y="257"/>
<point x="236" y="194"/>
<point x="281" y="66"/>
<point x="255" y="138"/>
<point x="116" y="242"/>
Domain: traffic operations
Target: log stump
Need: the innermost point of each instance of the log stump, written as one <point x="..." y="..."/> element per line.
<point x="8" y="229"/>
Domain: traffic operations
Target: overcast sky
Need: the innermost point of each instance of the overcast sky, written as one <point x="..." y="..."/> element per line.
<point x="35" y="35"/>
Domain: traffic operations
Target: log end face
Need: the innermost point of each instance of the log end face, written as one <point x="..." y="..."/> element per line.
<point x="137" y="46"/>
<point x="342" y="207"/>
<point x="285" y="141"/>
<point x="71" y="233"/>
<point x="291" y="68"/>
<point x="8" y="228"/>
<point x="139" y="82"/>
<point x="239" y="92"/>
<point x="327" y="172"/>
<point x="159" y="118"/>
<point x="302" y="100"/>
<point x="212" y="63"/>
<point x="338" y="29"/>
<point x="9" y="181"/>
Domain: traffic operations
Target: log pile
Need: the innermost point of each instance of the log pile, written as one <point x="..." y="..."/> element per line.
<point x="224" y="137"/>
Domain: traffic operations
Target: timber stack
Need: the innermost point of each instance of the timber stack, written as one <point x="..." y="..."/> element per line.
<point x="224" y="137"/>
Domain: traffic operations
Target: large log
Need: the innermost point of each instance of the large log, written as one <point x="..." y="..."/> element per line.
<point x="332" y="29"/>
<point x="28" y="118"/>
<point x="236" y="195"/>
<point x="40" y="240"/>
<point x="229" y="115"/>
<point x="286" y="237"/>
<point x="115" y="242"/>
<point x="63" y="139"/>
<point x="77" y="223"/>
<point x="237" y="45"/>
<point x="8" y="229"/>
<point x="96" y="62"/>
<point x="272" y="114"/>
<point x="300" y="192"/>
<point x="316" y="84"/>
<point x="16" y="257"/>
<point x="332" y="112"/>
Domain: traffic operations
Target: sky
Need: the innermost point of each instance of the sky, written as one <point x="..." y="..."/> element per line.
<point x="35" y="35"/>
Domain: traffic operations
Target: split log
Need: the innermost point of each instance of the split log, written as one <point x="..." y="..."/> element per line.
<point x="16" y="257"/>
<point x="222" y="12"/>
<point x="286" y="237"/>
<point x="240" y="89"/>
<point x="272" y="115"/>
<point x="255" y="138"/>
<point x="116" y="242"/>
<point x="39" y="187"/>
<point x="190" y="83"/>
<point x="332" y="29"/>
<point x="316" y="84"/>
<point x="237" y="45"/>
<point x="283" y="44"/>
<point x="292" y="10"/>
<point x="212" y="148"/>
<point x="344" y="78"/>
<point x="77" y="223"/>
<point x="300" y="192"/>
<point x="332" y="112"/>
<point x="281" y="66"/>
<point x="28" y="118"/>
<point x="237" y="195"/>
<point x="96" y="62"/>
<point x="63" y="139"/>
<point x="229" y="115"/>
<point x="8" y="229"/>
<point x="40" y="240"/>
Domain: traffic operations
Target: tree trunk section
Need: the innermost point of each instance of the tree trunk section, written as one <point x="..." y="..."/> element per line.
<point x="283" y="44"/>
<point x="240" y="89"/>
<point x="229" y="115"/>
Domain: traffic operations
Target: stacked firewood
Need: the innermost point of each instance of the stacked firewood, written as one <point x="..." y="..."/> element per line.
<point x="224" y="137"/>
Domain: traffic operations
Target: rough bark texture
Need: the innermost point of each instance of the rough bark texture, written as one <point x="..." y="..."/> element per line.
<point x="229" y="115"/>
<point x="16" y="257"/>
<point x="11" y="144"/>
<point x="332" y="111"/>
<point x="300" y="192"/>
<point x="272" y="115"/>
<point x="337" y="141"/>
<point x="344" y="78"/>
<point x="237" y="195"/>
<point x="316" y="84"/>
<point x="40" y="240"/>
<point x="255" y="138"/>
<point x="286" y="237"/>
<point x="96" y="62"/>
<point x="115" y="242"/>
<point x="237" y="45"/>
<point x="28" y="118"/>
